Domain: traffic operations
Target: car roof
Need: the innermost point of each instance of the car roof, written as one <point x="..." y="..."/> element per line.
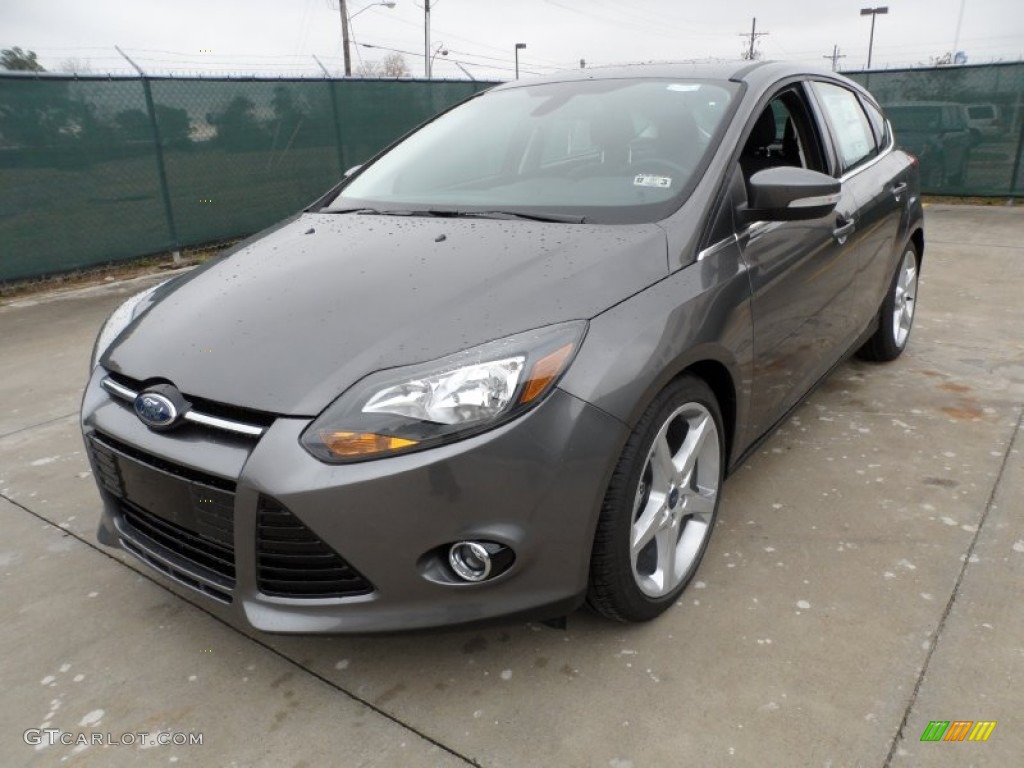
<point x="754" y="73"/>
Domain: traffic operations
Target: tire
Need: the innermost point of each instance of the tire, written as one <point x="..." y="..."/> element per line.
<point x="896" y="317"/>
<point x="669" y="509"/>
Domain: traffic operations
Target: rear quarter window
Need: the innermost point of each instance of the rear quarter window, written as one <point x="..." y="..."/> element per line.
<point x="878" y="124"/>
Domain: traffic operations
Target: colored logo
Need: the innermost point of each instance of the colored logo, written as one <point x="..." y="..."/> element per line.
<point x="958" y="730"/>
<point x="155" y="410"/>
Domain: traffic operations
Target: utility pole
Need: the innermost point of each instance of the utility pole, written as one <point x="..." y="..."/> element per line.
<point x="959" y="24"/>
<point x="344" y="37"/>
<point x="836" y="55"/>
<point x="754" y="34"/>
<point x="426" y="37"/>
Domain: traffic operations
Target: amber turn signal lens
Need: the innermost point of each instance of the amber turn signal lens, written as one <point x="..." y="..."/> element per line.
<point x="544" y="372"/>
<point x="348" y="444"/>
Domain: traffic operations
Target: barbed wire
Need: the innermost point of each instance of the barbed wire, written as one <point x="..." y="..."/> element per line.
<point x="96" y="60"/>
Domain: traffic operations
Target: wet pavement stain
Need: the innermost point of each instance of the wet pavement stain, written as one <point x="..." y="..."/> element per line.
<point x="389" y="694"/>
<point x="282" y="679"/>
<point x="963" y="412"/>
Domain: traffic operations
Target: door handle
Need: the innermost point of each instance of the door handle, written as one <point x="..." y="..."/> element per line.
<point x="843" y="229"/>
<point x="898" y="190"/>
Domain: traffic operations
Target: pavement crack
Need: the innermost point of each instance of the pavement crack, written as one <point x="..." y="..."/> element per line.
<point x="972" y="245"/>
<point x="898" y="737"/>
<point x="40" y="424"/>
<point x="261" y="643"/>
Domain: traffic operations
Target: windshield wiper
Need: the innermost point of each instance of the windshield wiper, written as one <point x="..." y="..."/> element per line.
<point x="558" y="218"/>
<point x="453" y="213"/>
<point x="373" y="211"/>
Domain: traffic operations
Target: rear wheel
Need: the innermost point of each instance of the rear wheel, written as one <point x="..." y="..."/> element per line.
<point x="660" y="506"/>
<point x="896" y="317"/>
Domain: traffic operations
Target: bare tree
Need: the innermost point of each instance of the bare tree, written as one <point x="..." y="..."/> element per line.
<point x="392" y="65"/>
<point x="368" y="69"/>
<point x="74" y="66"/>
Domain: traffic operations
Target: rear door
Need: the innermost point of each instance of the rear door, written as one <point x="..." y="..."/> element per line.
<point x="876" y="179"/>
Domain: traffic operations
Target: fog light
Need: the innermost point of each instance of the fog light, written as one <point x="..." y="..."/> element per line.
<point x="470" y="560"/>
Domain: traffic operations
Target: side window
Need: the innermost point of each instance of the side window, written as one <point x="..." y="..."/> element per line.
<point x="878" y="124"/>
<point x="784" y="134"/>
<point x="854" y="138"/>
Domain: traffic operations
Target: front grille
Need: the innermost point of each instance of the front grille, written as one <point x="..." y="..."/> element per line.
<point x="211" y="407"/>
<point x="103" y="445"/>
<point x="210" y="555"/>
<point x="176" y="519"/>
<point x="292" y="561"/>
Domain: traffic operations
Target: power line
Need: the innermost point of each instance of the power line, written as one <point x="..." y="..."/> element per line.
<point x="459" y="61"/>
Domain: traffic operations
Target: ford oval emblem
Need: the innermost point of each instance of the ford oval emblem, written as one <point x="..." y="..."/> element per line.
<point x="155" y="410"/>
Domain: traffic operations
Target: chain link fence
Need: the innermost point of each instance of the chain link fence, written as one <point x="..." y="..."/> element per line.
<point x="964" y="123"/>
<point x="99" y="170"/>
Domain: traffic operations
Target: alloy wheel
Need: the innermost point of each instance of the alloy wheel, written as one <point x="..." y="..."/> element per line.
<point x="675" y="500"/>
<point x="905" y="299"/>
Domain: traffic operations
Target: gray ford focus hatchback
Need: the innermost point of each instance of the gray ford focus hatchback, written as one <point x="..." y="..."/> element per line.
<point x="503" y="368"/>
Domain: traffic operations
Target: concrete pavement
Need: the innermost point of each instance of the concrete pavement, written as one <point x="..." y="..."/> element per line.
<point x="864" y="580"/>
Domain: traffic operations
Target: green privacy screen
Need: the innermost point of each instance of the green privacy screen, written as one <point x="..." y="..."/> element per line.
<point x="97" y="170"/>
<point x="94" y="171"/>
<point x="965" y="124"/>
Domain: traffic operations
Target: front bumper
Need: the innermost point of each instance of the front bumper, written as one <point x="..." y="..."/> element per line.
<point x="534" y="485"/>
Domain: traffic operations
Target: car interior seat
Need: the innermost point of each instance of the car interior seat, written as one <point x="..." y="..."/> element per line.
<point x="757" y="153"/>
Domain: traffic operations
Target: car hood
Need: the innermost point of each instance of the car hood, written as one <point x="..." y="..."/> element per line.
<point x="289" y="321"/>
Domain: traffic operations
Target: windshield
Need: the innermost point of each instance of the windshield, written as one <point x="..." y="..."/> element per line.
<point x="606" y="150"/>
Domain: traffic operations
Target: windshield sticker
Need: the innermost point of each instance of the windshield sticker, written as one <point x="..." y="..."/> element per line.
<point x="687" y="88"/>
<point x="650" y="180"/>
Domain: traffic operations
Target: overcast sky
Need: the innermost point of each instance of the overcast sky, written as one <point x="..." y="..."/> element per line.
<point x="281" y="36"/>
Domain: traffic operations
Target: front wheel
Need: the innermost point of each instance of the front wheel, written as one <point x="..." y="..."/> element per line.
<point x="660" y="506"/>
<point x="897" y="314"/>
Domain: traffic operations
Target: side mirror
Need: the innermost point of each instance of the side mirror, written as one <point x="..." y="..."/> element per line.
<point x="352" y="170"/>
<point x="790" y="194"/>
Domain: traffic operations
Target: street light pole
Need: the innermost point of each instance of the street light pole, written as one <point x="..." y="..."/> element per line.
<point x="345" y="19"/>
<point x="519" y="47"/>
<point x="872" y="12"/>
<point x="438" y="49"/>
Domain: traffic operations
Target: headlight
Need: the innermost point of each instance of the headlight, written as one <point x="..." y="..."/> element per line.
<point x="420" y="406"/>
<point x="119" y="320"/>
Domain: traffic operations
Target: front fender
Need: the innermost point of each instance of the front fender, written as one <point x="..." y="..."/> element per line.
<point x="697" y="315"/>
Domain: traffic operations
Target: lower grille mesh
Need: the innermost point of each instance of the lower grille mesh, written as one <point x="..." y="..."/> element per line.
<point x="199" y="550"/>
<point x="292" y="561"/>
